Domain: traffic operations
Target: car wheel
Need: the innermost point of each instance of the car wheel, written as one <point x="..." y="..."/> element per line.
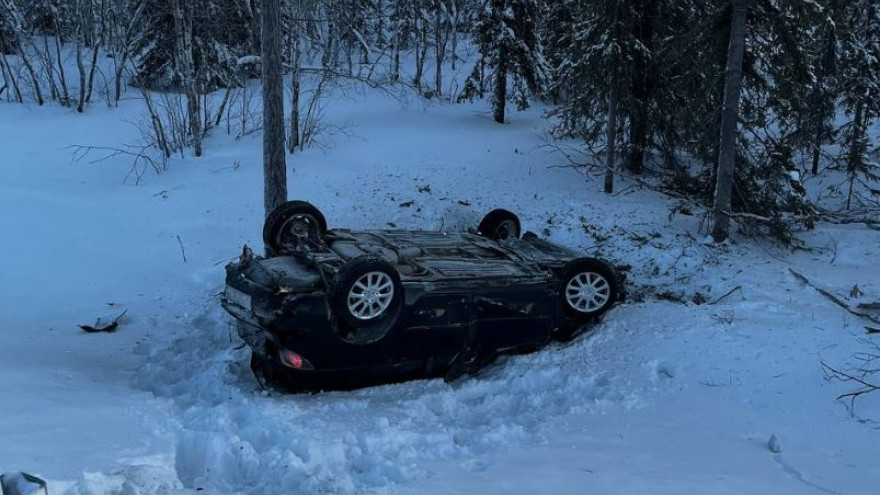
<point x="367" y="299"/>
<point x="499" y="225"/>
<point x="293" y="223"/>
<point x="589" y="287"/>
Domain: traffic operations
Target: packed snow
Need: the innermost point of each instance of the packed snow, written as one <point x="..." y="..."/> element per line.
<point x="708" y="380"/>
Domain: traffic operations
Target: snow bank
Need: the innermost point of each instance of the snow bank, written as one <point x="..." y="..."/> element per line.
<point x="231" y="435"/>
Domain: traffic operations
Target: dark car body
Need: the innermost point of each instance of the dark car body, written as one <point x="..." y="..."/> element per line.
<point x="466" y="298"/>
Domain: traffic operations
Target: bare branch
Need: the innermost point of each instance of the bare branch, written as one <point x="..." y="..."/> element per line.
<point x="141" y="160"/>
<point x="864" y="386"/>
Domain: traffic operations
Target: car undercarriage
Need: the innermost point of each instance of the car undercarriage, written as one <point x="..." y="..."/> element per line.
<point x="342" y="308"/>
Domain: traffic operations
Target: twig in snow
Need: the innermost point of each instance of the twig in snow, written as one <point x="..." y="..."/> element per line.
<point x="680" y="256"/>
<point x="182" y="250"/>
<point x="749" y="216"/>
<point x="110" y="328"/>
<point x="731" y="291"/>
<point x="865" y="387"/>
<point x="833" y="250"/>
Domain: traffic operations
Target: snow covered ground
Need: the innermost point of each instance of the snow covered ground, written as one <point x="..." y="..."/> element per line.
<point x="661" y="398"/>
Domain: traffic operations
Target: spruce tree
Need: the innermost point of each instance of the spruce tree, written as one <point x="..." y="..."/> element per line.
<point x="221" y="35"/>
<point x="860" y="85"/>
<point x="629" y="48"/>
<point x="511" y="55"/>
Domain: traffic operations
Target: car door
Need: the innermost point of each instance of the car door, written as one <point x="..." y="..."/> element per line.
<point x="435" y="327"/>
<point x="511" y="317"/>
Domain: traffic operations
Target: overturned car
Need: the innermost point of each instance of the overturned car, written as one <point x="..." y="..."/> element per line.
<point x="338" y="309"/>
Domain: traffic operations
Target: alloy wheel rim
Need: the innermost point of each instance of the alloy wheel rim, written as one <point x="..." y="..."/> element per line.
<point x="587" y="292"/>
<point x="370" y="295"/>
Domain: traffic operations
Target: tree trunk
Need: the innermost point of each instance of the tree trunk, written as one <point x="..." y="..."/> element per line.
<point x="80" y="67"/>
<point x="247" y="10"/>
<point x="274" y="165"/>
<point x="49" y="65"/>
<point x="65" y="93"/>
<point x="438" y="48"/>
<point x="62" y="76"/>
<point x="96" y="46"/>
<point x="827" y="69"/>
<point x="856" y="150"/>
<point x="395" y="57"/>
<point x="35" y="81"/>
<point x="126" y="49"/>
<point x="117" y="80"/>
<point x="183" y="23"/>
<point x="500" y="98"/>
<point x="328" y="57"/>
<point x="611" y="136"/>
<point x="453" y="32"/>
<point x="17" y="35"/>
<point x="293" y="138"/>
<point x="93" y="66"/>
<point x="421" y="49"/>
<point x="482" y="67"/>
<point x="729" y="119"/>
<point x="218" y="117"/>
<point x="643" y="85"/>
<point x="817" y="146"/>
<point x="9" y="77"/>
<point x="712" y="144"/>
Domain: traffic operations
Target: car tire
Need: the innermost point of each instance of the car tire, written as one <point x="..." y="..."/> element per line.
<point x="588" y="288"/>
<point x="367" y="299"/>
<point x="499" y="225"/>
<point x="291" y="223"/>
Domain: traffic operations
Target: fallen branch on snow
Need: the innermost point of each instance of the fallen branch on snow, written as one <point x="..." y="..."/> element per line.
<point x="834" y="298"/>
<point x="182" y="249"/>
<point x="109" y="328"/>
<point x="865" y="387"/>
<point x="731" y="291"/>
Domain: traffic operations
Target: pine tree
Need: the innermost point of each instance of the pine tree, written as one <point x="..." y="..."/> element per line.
<point x="510" y="46"/>
<point x="355" y="25"/>
<point x="589" y="63"/>
<point x="860" y="84"/>
<point x="221" y="34"/>
<point x="627" y="49"/>
<point x="7" y="45"/>
<point x="778" y="74"/>
<point x="14" y="19"/>
<point x="817" y="126"/>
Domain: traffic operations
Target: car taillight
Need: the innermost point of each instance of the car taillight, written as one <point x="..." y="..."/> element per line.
<point x="294" y="360"/>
